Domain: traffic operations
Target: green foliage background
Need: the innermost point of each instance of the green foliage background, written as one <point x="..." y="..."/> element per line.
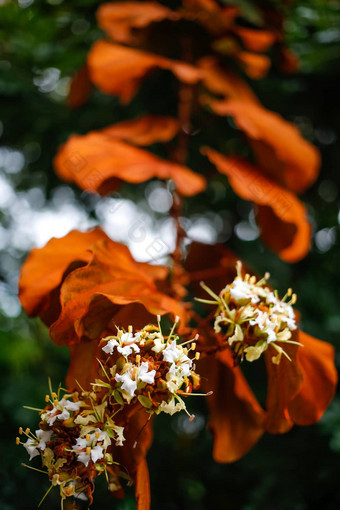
<point x="297" y="471"/>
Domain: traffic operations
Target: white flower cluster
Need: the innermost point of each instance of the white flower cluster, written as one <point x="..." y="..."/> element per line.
<point x="92" y="446"/>
<point x="150" y="358"/>
<point x="253" y="317"/>
<point x="61" y="410"/>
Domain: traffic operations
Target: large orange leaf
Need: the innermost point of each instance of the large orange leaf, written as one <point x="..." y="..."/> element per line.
<point x="280" y="149"/>
<point x="91" y="296"/>
<point x="299" y="391"/>
<point x="118" y="70"/>
<point x="316" y="362"/>
<point x="98" y="162"/>
<point x="142" y="491"/>
<point x="44" y="269"/>
<point x="284" y="382"/>
<point x="236" y="418"/>
<point x="120" y="19"/>
<point x="281" y="216"/>
<point x="144" y="130"/>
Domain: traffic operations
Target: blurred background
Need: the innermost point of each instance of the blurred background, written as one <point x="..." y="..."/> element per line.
<point x="42" y="44"/>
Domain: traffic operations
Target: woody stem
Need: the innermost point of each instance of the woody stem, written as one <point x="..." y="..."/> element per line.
<point x="186" y="96"/>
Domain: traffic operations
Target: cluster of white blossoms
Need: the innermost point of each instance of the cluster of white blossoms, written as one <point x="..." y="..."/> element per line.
<point x="75" y="433"/>
<point x="150" y="368"/>
<point x="253" y="317"/>
<point x="92" y="446"/>
<point x="78" y="430"/>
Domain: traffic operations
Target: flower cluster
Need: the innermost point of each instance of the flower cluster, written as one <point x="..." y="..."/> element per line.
<point x="141" y="370"/>
<point x="149" y="368"/>
<point x="74" y="435"/>
<point x="252" y="317"/>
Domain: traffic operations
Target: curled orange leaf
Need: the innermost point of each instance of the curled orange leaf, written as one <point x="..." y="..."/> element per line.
<point x="98" y="162"/>
<point x="278" y="145"/>
<point x="279" y="211"/>
<point x="121" y="19"/>
<point x="316" y="363"/>
<point x="45" y="268"/>
<point x="118" y="70"/>
<point x="236" y="418"/>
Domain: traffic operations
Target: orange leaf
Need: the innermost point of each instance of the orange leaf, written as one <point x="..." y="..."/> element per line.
<point x="284" y="382"/>
<point x="280" y="149"/>
<point x="223" y="82"/>
<point x="145" y="130"/>
<point x="316" y="362"/>
<point x="256" y="66"/>
<point x="120" y="19"/>
<point x="91" y="296"/>
<point x="236" y="418"/>
<point x="46" y="267"/>
<point x="142" y="491"/>
<point x="97" y="162"/>
<point x="80" y="88"/>
<point x="281" y="216"/>
<point x="118" y="70"/>
<point x="255" y="40"/>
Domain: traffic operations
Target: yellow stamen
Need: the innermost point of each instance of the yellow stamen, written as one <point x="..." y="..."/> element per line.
<point x="138" y="358"/>
<point x="97" y="435"/>
<point x="193" y="346"/>
<point x="88" y="437"/>
<point x="289" y="292"/>
<point x="130" y="329"/>
<point x="197" y="355"/>
<point x="293" y="300"/>
<point x="20" y="430"/>
<point x="252" y="280"/>
<point x="17" y="440"/>
<point x="185" y="350"/>
<point x="27" y="431"/>
<point x="47" y="398"/>
<point x="88" y="450"/>
<point x="54" y="396"/>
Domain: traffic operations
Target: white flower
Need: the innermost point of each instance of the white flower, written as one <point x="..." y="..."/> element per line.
<point x="159" y="344"/>
<point x="31" y="447"/>
<point x="126" y="338"/>
<point x="70" y="405"/>
<point x="170" y="407"/>
<point x="84" y="458"/>
<point x="87" y="448"/>
<point x="44" y="437"/>
<point x="129" y="385"/>
<point x="97" y="453"/>
<point x="110" y="346"/>
<point x="144" y="375"/>
<point x="61" y="410"/>
<point x="172" y="353"/>
<point x="174" y="381"/>
<point x="127" y="350"/>
<point x="120" y="436"/>
<point x="241" y="290"/>
<point x="180" y="363"/>
<point x="125" y="344"/>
